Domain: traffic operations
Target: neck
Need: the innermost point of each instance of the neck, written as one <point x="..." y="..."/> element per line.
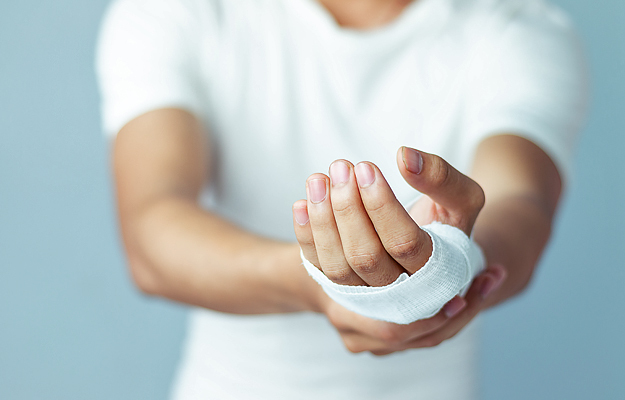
<point x="365" y="14"/>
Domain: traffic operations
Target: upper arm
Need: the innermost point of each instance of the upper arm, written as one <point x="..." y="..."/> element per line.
<point x="160" y="153"/>
<point x="148" y="73"/>
<point x="510" y="166"/>
<point x="158" y="156"/>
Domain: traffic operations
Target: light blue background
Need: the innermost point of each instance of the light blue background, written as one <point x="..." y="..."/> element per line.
<point x="73" y="327"/>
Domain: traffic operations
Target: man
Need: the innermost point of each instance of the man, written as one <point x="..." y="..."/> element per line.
<point x="222" y="108"/>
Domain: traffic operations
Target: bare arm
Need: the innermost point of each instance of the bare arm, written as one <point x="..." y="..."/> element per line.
<point x="180" y="251"/>
<point x="522" y="188"/>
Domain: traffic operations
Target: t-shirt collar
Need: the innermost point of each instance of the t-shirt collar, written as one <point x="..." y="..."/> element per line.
<point x="420" y="15"/>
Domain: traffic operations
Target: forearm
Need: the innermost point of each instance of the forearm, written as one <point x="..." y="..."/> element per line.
<point x="513" y="232"/>
<point x="179" y="251"/>
<point x="522" y="188"/>
<point x="176" y="249"/>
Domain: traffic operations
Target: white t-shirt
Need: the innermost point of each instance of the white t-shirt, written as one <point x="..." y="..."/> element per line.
<point x="284" y="91"/>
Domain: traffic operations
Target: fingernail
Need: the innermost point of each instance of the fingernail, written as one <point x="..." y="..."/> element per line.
<point x="339" y="173"/>
<point x="489" y="285"/>
<point x="317" y="190"/>
<point x="364" y="174"/>
<point x="412" y="160"/>
<point x="454" y="306"/>
<point x="301" y="215"/>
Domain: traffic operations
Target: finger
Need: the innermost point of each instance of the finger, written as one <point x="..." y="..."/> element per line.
<point x="483" y="285"/>
<point x="455" y="325"/>
<point x="303" y="233"/>
<point x="385" y="338"/>
<point x="460" y="195"/>
<point x="433" y="324"/>
<point x="361" y="245"/>
<point x="325" y="233"/>
<point x="356" y="342"/>
<point x="402" y="238"/>
<point x="381" y="353"/>
<point x="394" y="336"/>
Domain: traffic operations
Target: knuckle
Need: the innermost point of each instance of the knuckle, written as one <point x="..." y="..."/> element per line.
<point x="433" y="323"/>
<point x="433" y="341"/>
<point x="406" y="249"/>
<point x="375" y="204"/>
<point x="352" y="345"/>
<point x="333" y="315"/>
<point x="343" y="208"/>
<point x="391" y="334"/>
<point x="478" y="198"/>
<point x="305" y="241"/>
<point x="325" y="248"/>
<point x="321" y="223"/>
<point x="338" y="275"/>
<point x="366" y="263"/>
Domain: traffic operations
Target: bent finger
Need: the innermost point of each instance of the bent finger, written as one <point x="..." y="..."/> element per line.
<point x="356" y="342"/>
<point x="393" y="335"/>
<point x="361" y="245"/>
<point x="326" y="235"/>
<point x="400" y="235"/>
<point x="303" y="233"/>
<point x="433" y="324"/>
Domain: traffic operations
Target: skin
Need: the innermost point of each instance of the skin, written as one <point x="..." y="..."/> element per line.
<point x="355" y="231"/>
<point x="180" y="251"/>
<point x="364" y="14"/>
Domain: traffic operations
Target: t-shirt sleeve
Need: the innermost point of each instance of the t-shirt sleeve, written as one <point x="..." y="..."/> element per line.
<point x="530" y="80"/>
<point x="146" y="59"/>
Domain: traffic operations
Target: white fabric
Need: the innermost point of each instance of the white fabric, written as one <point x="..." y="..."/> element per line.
<point x="454" y="262"/>
<point x="284" y="91"/>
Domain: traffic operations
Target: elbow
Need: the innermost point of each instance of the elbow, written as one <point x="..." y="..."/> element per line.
<point x="143" y="276"/>
<point x="527" y="272"/>
<point x="142" y="271"/>
<point x="522" y="287"/>
<point x="522" y="284"/>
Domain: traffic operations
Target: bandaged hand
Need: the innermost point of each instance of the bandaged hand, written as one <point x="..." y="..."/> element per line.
<point x="354" y="230"/>
<point x="454" y="262"/>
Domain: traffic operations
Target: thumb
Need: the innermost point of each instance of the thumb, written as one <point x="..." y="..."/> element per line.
<point x="458" y="194"/>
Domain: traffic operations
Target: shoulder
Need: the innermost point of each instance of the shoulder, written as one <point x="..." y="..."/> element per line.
<point x="197" y="19"/>
<point x="159" y="7"/>
<point x="148" y="55"/>
<point x="156" y="29"/>
<point x="497" y="20"/>
<point x="164" y="15"/>
<point x="521" y="35"/>
<point x="527" y="74"/>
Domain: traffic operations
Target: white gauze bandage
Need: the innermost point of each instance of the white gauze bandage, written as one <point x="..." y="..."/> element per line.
<point x="455" y="261"/>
